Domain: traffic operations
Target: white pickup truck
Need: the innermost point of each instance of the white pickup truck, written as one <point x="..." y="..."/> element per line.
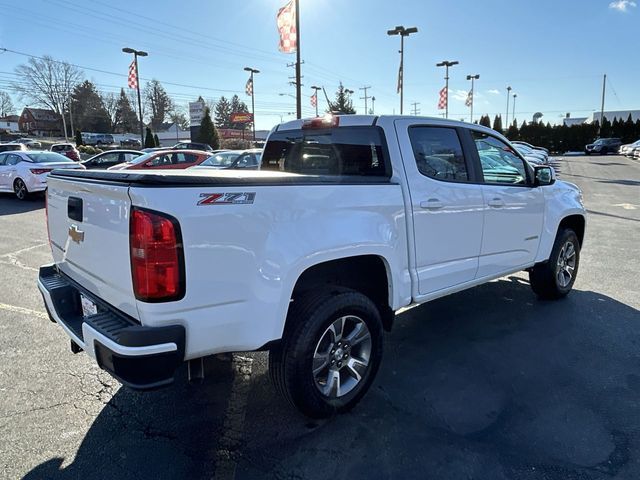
<point x="349" y="219"/>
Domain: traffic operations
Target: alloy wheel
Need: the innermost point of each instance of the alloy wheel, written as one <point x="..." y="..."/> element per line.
<point x="20" y="189"/>
<point x="565" y="268"/>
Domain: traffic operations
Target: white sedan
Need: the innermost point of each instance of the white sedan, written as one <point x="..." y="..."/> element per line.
<point x="26" y="172"/>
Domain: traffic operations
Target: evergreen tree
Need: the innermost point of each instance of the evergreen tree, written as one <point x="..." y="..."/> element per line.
<point x="238" y="106"/>
<point x="497" y="123"/>
<point x="149" y="141"/>
<point x="222" y="111"/>
<point x="485" y="120"/>
<point x="126" y="119"/>
<point x="342" y="104"/>
<point x="79" y="138"/>
<point x="89" y="113"/>
<point x="208" y="133"/>
<point x="156" y="140"/>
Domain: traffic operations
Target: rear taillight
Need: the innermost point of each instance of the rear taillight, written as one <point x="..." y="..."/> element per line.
<point x="38" y="171"/>
<point x="157" y="259"/>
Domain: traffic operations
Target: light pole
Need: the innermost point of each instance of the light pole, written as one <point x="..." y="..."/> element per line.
<point x="136" y="54"/>
<point x="373" y="105"/>
<point x="515" y="95"/>
<point x="446" y="64"/>
<point x="348" y="92"/>
<point x="315" y="88"/>
<point x="253" y="103"/>
<point x="403" y="32"/>
<point x="506" y="120"/>
<point x="472" y="78"/>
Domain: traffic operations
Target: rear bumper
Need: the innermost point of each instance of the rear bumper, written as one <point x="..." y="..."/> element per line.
<point x="139" y="357"/>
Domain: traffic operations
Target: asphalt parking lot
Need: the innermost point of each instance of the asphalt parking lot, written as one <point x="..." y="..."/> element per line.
<point x="485" y="384"/>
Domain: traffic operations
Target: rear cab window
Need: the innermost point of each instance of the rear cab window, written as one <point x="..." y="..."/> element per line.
<point x="341" y="151"/>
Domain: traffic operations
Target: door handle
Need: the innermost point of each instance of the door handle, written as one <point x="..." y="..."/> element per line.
<point x="496" y="203"/>
<point x="432" y="204"/>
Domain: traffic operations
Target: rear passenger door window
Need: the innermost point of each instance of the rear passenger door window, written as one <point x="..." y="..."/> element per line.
<point x="438" y="153"/>
<point x="500" y="164"/>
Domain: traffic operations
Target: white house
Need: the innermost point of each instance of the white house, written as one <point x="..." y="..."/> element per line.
<point x="10" y="123"/>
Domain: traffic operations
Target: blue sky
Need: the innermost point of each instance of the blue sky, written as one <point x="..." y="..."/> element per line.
<point x="553" y="53"/>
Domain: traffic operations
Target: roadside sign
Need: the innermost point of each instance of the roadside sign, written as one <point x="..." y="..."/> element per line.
<point x="241" y="117"/>
<point x="196" y="112"/>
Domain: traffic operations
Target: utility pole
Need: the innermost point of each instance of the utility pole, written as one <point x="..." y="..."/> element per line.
<point x="316" y="95"/>
<point x="403" y="32"/>
<point x="447" y="64"/>
<point x="365" y="98"/>
<point x="515" y="95"/>
<point x="415" y="108"/>
<point x="472" y="78"/>
<point x="298" y="76"/>
<point x="604" y="86"/>
<point x="136" y="54"/>
<point x="253" y="96"/>
<point x="506" y="119"/>
<point x="373" y="105"/>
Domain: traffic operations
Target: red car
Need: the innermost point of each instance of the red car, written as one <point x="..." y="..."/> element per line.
<point x="164" y="159"/>
<point x="66" y="149"/>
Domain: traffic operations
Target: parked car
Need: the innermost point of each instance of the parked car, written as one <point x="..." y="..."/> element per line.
<point x="220" y="160"/>
<point x="99" y="139"/>
<point x="110" y="158"/>
<point x="532" y="156"/>
<point x="628" y="148"/>
<point x="130" y="142"/>
<point x="66" y="149"/>
<point x="10" y="147"/>
<point x="348" y="220"/>
<point x="603" y="146"/>
<point x="635" y="153"/>
<point x="248" y="160"/>
<point x="520" y="142"/>
<point x="30" y="143"/>
<point x="164" y="159"/>
<point x="192" y="146"/>
<point x="25" y="172"/>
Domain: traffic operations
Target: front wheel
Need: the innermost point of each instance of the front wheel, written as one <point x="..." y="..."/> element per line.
<point x="330" y="352"/>
<point x="20" y="189"/>
<point x="554" y="278"/>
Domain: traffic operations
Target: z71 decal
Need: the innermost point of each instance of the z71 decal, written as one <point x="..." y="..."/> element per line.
<point x="243" y="198"/>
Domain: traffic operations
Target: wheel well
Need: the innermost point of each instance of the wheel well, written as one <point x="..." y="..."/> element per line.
<point x="365" y="273"/>
<point x="575" y="223"/>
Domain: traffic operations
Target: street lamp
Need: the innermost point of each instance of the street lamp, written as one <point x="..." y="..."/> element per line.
<point x="403" y="32"/>
<point x="253" y="103"/>
<point x="506" y="120"/>
<point x="136" y="54"/>
<point x="373" y="105"/>
<point x="287" y="95"/>
<point x="446" y="64"/>
<point x="515" y="95"/>
<point x="315" y="88"/>
<point x="472" y="78"/>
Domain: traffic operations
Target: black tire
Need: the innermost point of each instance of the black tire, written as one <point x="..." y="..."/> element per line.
<point x="291" y="362"/>
<point x="20" y="189"/>
<point x="545" y="277"/>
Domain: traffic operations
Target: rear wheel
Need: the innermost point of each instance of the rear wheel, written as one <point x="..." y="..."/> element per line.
<point x="330" y="352"/>
<point x="20" y="189"/>
<point x="554" y="278"/>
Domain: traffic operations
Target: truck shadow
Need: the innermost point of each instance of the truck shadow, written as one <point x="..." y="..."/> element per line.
<point x="486" y="383"/>
<point x="10" y="205"/>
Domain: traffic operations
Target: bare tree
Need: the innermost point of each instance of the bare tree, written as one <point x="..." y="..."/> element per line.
<point x="48" y="83"/>
<point x="110" y="102"/>
<point x="158" y="102"/>
<point x="6" y="105"/>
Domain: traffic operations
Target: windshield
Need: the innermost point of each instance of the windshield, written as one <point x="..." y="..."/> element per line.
<point x="48" y="157"/>
<point x="222" y="159"/>
<point x="142" y="158"/>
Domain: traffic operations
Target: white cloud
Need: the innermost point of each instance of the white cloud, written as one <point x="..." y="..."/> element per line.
<point x="494" y="91"/>
<point x="460" y="95"/>
<point x="622" y="5"/>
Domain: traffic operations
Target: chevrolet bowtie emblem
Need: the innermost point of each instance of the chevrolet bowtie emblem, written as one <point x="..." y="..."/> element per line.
<point x="75" y="234"/>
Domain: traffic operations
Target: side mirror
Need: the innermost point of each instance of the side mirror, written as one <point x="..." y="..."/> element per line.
<point x="543" y="175"/>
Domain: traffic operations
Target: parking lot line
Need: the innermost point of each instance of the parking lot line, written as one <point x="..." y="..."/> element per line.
<point x="25" y="311"/>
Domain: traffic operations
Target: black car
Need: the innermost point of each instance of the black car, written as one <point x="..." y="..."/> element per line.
<point x="192" y="146"/>
<point x="602" y="146"/>
<point x="110" y="158"/>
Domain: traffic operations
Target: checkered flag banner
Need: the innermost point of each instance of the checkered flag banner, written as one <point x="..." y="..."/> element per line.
<point x="469" y="101"/>
<point x="400" y="71"/>
<point x="314" y="99"/>
<point x="248" y="88"/>
<point x="133" y="75"/>
<point x="442" y="102"/>
<point x="286" y="20"/>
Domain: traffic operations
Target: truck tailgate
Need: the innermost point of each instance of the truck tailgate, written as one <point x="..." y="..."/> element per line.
<point x="89" y="232"/>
